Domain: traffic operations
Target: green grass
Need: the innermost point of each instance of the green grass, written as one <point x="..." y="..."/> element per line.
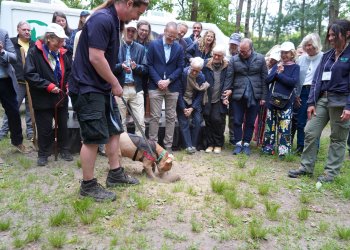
<point x="343" y="232"/>
<point x="303" y="214"/>
<point x="168" y="234"/>
<point x="232" y="198"/>
<point x="5" y="224"/>
<point x="62" y="217"/>
<point x="57" y="239"/>
<point x="242" y="160"/>
<point x="196" y="225"/>
<point x="82" y="205"/>
<point x="34" y="233"/>
<point x="142" y="202"/>
<point x="272" y="210"/>
<point x="249" y="200"/>
<point x="264" y="189"/>
<point x="256" y="230"/>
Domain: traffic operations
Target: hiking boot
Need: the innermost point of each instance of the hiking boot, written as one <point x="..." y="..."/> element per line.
<point x="209" y="149"/>
<point x="42" y="161"/>
<point x="96" y="191"/>
<point x="295" y="173"/>
<point x="325" y="178"/>
<point x="238" y="149"/>
<point x="22" y="149"/>
<point x="119" y="177"/>
<point x="190" y="150"/>
<point x="66" y="156"/>
<point x="217" y="150"/>
<point x="246" y="149"/>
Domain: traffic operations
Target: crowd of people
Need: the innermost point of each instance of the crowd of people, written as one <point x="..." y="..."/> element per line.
<point x="110" y="62"/>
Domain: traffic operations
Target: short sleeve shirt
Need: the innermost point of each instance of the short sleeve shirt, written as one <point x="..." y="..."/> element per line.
<point x="101" y="31"/>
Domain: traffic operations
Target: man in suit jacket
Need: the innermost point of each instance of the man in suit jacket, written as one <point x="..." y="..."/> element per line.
<point x="165" y="60"/>
<point x="8" y="84"/>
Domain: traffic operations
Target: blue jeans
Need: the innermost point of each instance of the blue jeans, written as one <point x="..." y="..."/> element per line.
<point x="302" y="115"/>
<point x="190" y="134"/>
<point x="242" y="112"/>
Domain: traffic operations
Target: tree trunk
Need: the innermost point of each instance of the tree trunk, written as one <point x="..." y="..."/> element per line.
<point x="194" y="10"/>
<point x="333" y="10"/>
<point x="302" y="21"/>
<point x="320" y="16"/>
<point x="239" y="16"/>
<point x="261" y="21"/>
<point x="279" y="22"/>
<point x="247" y="18"/>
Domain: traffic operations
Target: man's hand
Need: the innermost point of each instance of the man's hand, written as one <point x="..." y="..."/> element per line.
<point x="1" y="46"/>
<point x="262" y="102"/>
<point x="126" y="68"/>
<point x="163" y="84"/>
<point x="188" y="112"/>
<point x="311" y="110"/>
<point x="133" y="64"/>
<point x="345" y="116"/>
<point x="227" y="93"/>
<point x="117" y="90"/>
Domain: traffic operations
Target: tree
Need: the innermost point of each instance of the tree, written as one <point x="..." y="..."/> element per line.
<point x="247" y="18"/>
<point x="279" y="21"/>
<point x="239" y="16"/>
<point x="333" y="10"/>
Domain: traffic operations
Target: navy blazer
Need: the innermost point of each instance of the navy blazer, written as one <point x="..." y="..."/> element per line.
<point x="158" y="68"/>
<point x="197" y="95"/>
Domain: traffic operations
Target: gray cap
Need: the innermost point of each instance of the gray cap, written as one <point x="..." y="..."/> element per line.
<point x="235" y="38"/>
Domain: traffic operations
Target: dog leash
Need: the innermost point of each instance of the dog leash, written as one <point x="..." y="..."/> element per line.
<point x="138" y="125"/>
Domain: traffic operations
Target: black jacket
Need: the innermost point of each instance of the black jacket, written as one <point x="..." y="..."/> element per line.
<point x="18" y="66"/>
<point x="41" y="78"/>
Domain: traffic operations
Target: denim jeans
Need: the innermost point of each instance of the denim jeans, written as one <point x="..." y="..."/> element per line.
<point x="190" y="133"/>
<point x="242" y="113"/>
<point x="302" y="115"/>
<point x="21" y="94"/>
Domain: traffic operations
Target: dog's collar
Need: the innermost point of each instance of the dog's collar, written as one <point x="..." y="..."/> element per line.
<point x="162" y="154"/>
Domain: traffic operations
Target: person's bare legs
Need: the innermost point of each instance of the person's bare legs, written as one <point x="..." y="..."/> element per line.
<point x="112" y="151"/>
<point x="88" y="154"/>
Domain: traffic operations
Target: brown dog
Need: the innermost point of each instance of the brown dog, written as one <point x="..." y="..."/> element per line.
<point x="135" y="148"/>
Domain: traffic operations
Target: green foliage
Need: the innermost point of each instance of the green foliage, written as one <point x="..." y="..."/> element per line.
<point x="256" y="230"/>
<point x="57" y="239"/>
<point x="60" y="218"/>
<point x="5" y="224"/>
<point x="343" y="232"/>
<point x="303" y="214"/>
<point x="34" y="234"/>
<point x="271" y="210"/>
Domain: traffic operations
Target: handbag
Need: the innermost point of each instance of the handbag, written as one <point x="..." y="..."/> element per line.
<point x="278" y="100"/>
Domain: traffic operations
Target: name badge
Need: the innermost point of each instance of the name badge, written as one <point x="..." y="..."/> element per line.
<point x="326" y="75"/>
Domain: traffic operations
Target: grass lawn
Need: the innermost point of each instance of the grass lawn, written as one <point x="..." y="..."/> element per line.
<point x="222" y="202"/>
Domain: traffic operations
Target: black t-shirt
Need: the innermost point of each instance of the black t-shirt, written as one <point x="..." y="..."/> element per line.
<point x="101" y="31"/>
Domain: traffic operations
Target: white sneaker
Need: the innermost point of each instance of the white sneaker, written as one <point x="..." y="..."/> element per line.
<point x="209" y="149"/>
<point x="217" y="150"/>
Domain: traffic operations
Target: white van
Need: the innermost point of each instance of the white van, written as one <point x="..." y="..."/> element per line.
<point x="39" y="13"/>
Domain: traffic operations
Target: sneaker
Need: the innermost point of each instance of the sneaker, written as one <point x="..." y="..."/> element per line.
<point x="66" y="156"/>
<point x="22" y="149"/>
<point x="190" y="150"/>
<point x="246" y="148"/>
<point x="238" y="149"/>
<point x="118" y="178"/>
<point x="217" y="150"/>
<point x="209" y="149"/>
<point x="42" y="161"/>
<point x="295" y="173"/>
<point x="325" y="178"/>
<point x="96" y="191"/>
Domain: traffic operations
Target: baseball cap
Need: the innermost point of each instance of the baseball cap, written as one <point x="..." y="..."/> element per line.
<point x="235" y="38"/>
<point x="131" y="24"/>
<point x="84" y="13"/>
<point x="56" y="29"/>
<point x="276" y="55"/>
<point x="287" y="46"/>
